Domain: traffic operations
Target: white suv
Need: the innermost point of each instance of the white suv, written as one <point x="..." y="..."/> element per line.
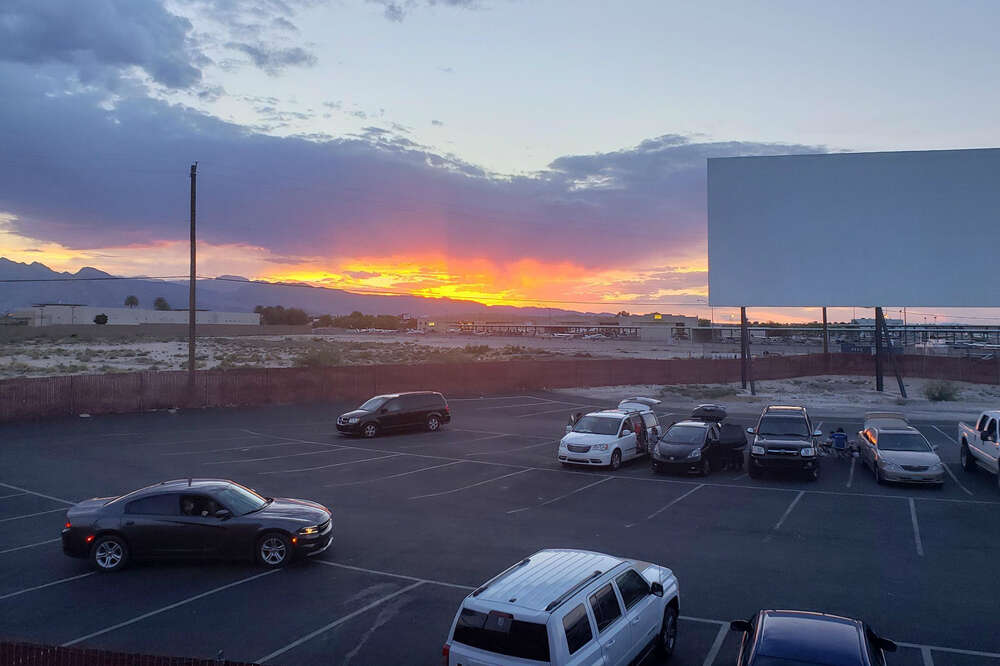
<point x="609" y="437"/>
<point x="567" y="607"/>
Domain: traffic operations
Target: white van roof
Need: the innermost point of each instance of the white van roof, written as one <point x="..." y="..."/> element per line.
<point x="540" y="583"/>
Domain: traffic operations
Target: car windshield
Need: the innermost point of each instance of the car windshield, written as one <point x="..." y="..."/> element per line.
<point x="783" y="426"/>
<point x="240" y="500"/>
<point x="373" y="403"/>
<point x="597" y="425"/>
<point x="898" y="441"/>
<point x="685" y="435"/>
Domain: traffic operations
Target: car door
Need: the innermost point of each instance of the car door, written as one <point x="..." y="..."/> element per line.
<point x="989" y="443"/>
<point x="390" y="415"/>
<point x="199" y="532"/>
<point x="149" y="525"/>
<point x="641" y="610"/>
<point x="613" y="631"/>
<point x="711" y="447"/>
<point x="414" y="410"/>
<point x="578" y="631"/>
<point x="627" y="443"/>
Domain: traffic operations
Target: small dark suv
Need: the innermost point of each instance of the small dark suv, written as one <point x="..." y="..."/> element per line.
<point x="419" y="409"/>
<point x="784" y="440"/>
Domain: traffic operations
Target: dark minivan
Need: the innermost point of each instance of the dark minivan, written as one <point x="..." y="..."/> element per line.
<point x="418" y="409"/>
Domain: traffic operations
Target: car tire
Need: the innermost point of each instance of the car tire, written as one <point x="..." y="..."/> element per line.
<point x="616" y="459"/>
<point x="878" y="475"/>
<point x="813" y="474"/>
<point x="109" y="553"/>
<point x="706" y="467"/>
<point x="656" y="468"/>
<point x="968" y="464"/>
<point x="666" y="640"/>
<point x="433" y="423"/>
<point x="274" y="550"/>
<point x="369" y="430"/>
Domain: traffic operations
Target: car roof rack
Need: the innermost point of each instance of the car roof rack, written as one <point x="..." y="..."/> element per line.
<point x="561" y="599"/>
<point x="482" y="588"/>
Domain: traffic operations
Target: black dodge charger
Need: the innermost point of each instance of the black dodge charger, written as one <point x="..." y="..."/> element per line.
<point x="195" y="518"/>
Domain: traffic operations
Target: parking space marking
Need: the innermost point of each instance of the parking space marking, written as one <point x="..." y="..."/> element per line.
<point x="337" y="622"/>
<point x="937" y="648"/>
<point x="556" y="499"/>
<point x="462" y="443"/>
<point x="916" y="528"/>
<point x="670" y="504"/>
<point x="498" y="397"/>
<point x="850" y="477"/>
<point x="395" y="575"/>
<point x="925" y="652"/>
<point x="231" y="448"/>
<point x="31" y="515"/>
<point x="194" y="441"/>
<point x="473" y="485"/>
<point x="340" y="464"/>
<point x="30" y="545"/>
<point x="569" y="405"/>
<point x="520" y="448"/>
<point x="784" y="516"/>
<point x="492" y="432"/>
<point x="955" y="479"/>
<point x="32" y="492"/>
<point x="393" y="476"/>
<point x="524" y="404"/>
<point x="12" y="495"/>
<point x="290" y="455"/>
<point x="45" y="585"/>
<point x="946" y="435"/>
<point x="740" y="477"/>
<point x="716" y="646"/>
<point x="164" y="609"/>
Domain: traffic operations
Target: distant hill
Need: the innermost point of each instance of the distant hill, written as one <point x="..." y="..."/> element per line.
<point x="230" y="293"/>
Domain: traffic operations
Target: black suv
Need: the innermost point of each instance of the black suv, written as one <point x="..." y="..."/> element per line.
<point x="784" y="440"/>
<point x="424" y="409"/>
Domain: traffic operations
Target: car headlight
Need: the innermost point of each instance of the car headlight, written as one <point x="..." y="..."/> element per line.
<point x="695" y="454"/>
<point x="354" y="419"/>
<point x="757" y="450"/>
<point x="890" y="467"/>
<point x="807" y="452"/>
<point x="306" y="531"/>
<point x="936" y="467"/>
<point x="600" y="447"/>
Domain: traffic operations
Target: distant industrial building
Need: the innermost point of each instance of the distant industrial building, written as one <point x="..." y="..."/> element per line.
<point x="53" y="314"/>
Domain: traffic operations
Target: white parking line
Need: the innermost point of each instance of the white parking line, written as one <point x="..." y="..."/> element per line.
<point x="524" y="404"/>
<point x="673" y="501"/>
<point x="340" y="464"/>
<point x="32" y="492"/>
<point x="784" y="516"/>
<point x="716" y="646"/>
<point x="393" y="476"/>
<point x="955" y="479"/>
<point x="740" y="477"/>
<point x="850" y="477"/>
<point x="30" y="545"/>
<point x="395" y="575"/>
<point x="473" y="485"/>
<point x="492" y="432"/>
<point x="31" y="515"/>
<point x="231" y="448"/>
<point x="164" y="609"/>
<point x="290" y="455"/>
<point x="520" y="448"/>
<point x="424" y="445"/>
<point x="12" y="495"/>
<point x="42" y="587"/>
<point x="556" y="499"/>
<point x="569" y="406"/>
<point x="916" y="528"/>
<point x="328" y="627"/>
<point x="925" y="652"/>
<point x="938" y="648"/>
<point x="946" y="435"/>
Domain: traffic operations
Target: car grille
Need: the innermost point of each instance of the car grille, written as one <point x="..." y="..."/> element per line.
<point x="576" y="448"/>
<point x="915" y="468"/>
<point x="783" y="452"/>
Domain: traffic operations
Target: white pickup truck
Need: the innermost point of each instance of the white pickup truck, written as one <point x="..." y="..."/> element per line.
<point x="979" y="444"/>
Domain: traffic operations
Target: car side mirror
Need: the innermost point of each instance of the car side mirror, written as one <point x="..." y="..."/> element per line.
<point x="740" y="625"/>
<point x="626" y="432"/>
<point x="569" y="429"/>
<point x="223" y="514"/>
<point x="750" y="431"/>
<point x="817" y="433"/>
<point x="657" y="589"/>
<point x="935" y="447"/>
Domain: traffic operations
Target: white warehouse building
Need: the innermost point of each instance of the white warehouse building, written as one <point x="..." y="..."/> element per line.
<point x="51" y="314"/>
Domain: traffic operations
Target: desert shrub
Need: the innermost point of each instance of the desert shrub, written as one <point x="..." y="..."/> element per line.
<point x="476" y="349"/>
<point x="940" y="391"/>
<point x="318" y="358"/>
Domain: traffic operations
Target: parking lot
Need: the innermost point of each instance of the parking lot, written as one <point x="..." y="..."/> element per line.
<point x="421" y="518"/>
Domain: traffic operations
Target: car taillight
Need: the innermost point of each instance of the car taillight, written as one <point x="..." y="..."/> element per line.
<point x="445" y="652"/>
<point x="68" y="524"/>
<point x="89" y="538"/>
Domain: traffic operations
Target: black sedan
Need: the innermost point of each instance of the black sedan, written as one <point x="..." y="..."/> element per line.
<point x="800" y="638"/>
<point x="195" y="518"/>
<point x="699" y="447"/>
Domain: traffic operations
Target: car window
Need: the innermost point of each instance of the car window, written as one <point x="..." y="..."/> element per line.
<point x="372" y="404"/>
<point x="167" y="504"/>
<point x="393" y="406"/>
<point x="501" y="634"/>
<point x="597" y="425"/>
<point x="604" y="603"/>
<point x="982" y="422"/>
<point x="577" y="627"/>
<point x="198" y="506"/>
<point x="626" y="425"/>
<point x="685" y="435"/>
<point x="783" y="426"/>
<point x="649" y="418"/>
<point x="632" y="587"/>
<point x="238" y="499"/>
<point x="899" y="441"/>
<point x="409" y="402"/>
<point x="991" y="429"/>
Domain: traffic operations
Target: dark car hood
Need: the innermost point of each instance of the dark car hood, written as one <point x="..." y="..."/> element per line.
<point x="355" y="412"/>
<point x="675" y="448"/>
<point x="790" y="442"/>
<point x="295" y="510"/>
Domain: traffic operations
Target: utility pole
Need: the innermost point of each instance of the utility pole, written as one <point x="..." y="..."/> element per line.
<point x="191" y="303"/>
<point x="826" y="334"/>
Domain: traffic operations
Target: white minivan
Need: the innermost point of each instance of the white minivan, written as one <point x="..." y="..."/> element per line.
<point x="567" y="607"/>
<point x="611" y="436"/>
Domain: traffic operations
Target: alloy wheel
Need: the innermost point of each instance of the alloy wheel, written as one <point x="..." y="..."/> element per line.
<point x="272" y="550"/>
<point x="109" y="554"/>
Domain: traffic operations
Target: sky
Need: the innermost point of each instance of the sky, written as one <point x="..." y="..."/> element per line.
<point x="506" y="151"/>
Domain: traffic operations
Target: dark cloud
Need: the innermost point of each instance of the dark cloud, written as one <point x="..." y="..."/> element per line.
<point x="100" y="39"/>
<point x="437" y="123"/>
<point x="274" y="59"/>
<point x="121" y="177"/>
<point x="396" y="10"/>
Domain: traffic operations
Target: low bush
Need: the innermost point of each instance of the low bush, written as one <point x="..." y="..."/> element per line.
<point x="940" y="391"/>
<point x="318" y="358"/>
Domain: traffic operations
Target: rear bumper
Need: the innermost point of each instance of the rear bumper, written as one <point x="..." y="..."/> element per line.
<point x="74" y="544"/>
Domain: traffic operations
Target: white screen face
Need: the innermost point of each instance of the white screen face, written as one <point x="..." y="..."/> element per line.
<point x="864" y="229"/>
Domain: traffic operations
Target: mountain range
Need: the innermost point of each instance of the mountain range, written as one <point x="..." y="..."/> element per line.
<point x="22" y="285"/>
